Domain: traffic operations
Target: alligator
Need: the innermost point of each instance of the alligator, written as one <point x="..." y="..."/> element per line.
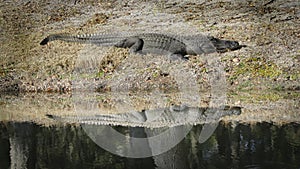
<point x="177" y="47"/>
<point x="157" y="118"/>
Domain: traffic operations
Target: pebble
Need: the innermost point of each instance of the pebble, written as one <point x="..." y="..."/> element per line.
<point x="235" y="60"/>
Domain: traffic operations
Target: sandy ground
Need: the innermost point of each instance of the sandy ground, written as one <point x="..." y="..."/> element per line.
<point x="264" y="77"/>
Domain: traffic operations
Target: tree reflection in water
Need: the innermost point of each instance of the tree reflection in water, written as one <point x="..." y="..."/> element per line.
<point x="26" y="145"/>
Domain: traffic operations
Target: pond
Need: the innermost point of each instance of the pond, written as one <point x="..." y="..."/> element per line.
<point x="145" y="130"/>
<point x="263" y="145"/>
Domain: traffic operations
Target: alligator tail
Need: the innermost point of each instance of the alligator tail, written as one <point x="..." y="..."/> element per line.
<point x="56" y="37"/>
<point x="99" y="39"/>
<point x="45" y="41"/>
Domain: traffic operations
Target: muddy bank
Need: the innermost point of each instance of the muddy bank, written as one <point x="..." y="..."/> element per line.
<point x="36" y="107"/>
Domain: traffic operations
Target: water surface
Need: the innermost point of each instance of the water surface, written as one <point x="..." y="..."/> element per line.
<point x="264" y="145"/>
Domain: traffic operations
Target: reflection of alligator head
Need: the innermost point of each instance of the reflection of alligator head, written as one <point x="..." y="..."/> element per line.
<point x="170" y="116"/>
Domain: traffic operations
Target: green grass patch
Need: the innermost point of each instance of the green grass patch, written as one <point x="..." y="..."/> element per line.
<point x="255" y="96"/>
<point x="256" y="67"/>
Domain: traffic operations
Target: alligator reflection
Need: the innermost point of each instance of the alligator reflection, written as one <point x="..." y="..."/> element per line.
<point x="175" y="115"/>
<point x="160" y="128"/>
<point x="26" y="145"/>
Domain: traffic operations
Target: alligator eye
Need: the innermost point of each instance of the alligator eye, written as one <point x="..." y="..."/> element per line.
<point x="234" y="44"/>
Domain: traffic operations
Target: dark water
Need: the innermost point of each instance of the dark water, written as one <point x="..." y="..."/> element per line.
<point x="26" y="145"/>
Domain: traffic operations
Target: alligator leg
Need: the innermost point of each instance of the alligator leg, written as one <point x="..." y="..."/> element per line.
<point x="134" y="44"/>
<point x="175" y="56"/>
<point x="137" y="46"/>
